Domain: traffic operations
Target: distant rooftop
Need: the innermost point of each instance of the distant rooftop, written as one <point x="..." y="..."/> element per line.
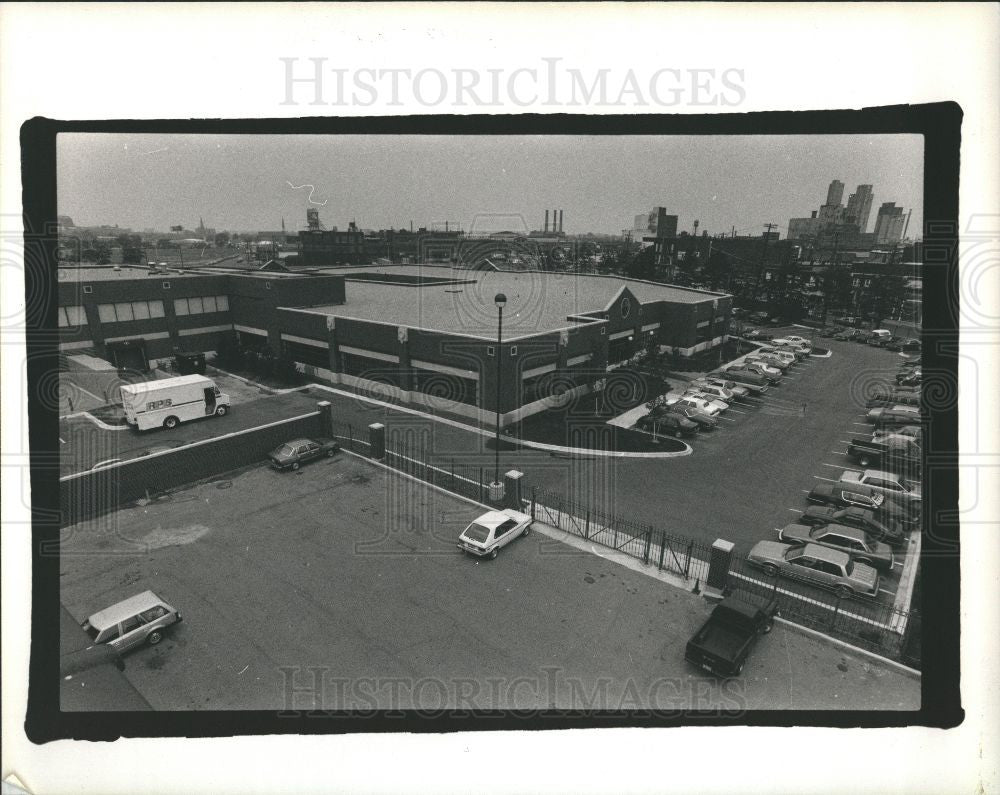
<point x="97" y="273"/>
<point x="460" y="301"/>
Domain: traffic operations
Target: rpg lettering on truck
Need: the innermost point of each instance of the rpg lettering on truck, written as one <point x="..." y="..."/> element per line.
<point x="158" y="404"/>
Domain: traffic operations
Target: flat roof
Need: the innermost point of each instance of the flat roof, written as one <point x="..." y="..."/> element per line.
<point x="537" y="301"/>
<point x="124" y="273"/>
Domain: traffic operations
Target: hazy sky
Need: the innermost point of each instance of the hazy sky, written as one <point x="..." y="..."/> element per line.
<point x="486" y="183"/>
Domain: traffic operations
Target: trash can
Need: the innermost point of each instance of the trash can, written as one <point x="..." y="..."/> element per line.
<point x="190" y="363"/>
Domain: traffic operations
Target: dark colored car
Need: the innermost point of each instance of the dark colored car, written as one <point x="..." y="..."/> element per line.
<point x="911" y="345"/>
<point x="291" y="455"/>
<point x="667" y="424"/>
<point x="895" y="397"/>
<point x="757" y="334"/>
<point x="829" y="331"/>
<point x="724" y="642"/>
<point x="842" y="496"/>
<point x="912" y="378"/>
<point x="896" y="455"/>
<point x="759" y="317"/>
<point x="882" y="528"/>
<point x="846" y="334"/>
<point x="894" y="416"/>
<point x="700" y="418"/>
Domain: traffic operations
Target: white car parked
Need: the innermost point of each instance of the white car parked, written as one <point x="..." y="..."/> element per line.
<point x="798" y="339"/>
<point x="782" y="353"/>
<point x="715" y="391"/>
<point x="692" y="402"/>
<point x="712" y="400"/>
<point x="770" y="359"/>
<point x="492" y="530"/>
<point x="765" y="369"/>
<point x="793" y="343"/>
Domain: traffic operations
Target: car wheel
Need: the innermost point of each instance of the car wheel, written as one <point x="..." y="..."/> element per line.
<point x="221" y="411"/>
<point x="295" y="465"/>
<point x="864" y="461"/>
<point x="494" y="553"/>
<point x="527" y="529"/>
<point x="154" y="637"/>
<point x="170" y="422"/>
<point x="739" y="668"/>
<point x="677" y="434"/>
<point x="770" y="569"/>
<point x="331" y="452"/>
<point x="845" y="591"/>
<point x="768" y="626"/>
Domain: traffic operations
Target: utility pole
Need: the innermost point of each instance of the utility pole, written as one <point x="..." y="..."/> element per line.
<point x="763" y="257"/>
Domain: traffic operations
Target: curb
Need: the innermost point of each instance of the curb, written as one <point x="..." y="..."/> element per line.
<point x="88" y="416"/>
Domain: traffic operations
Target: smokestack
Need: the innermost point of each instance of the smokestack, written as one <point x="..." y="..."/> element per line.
<point x="546" y="221"/>
<point x="560" y="220"/>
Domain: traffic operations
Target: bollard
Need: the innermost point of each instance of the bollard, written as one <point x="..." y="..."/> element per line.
<point x="718" y="568"/>
<point x="325" y="418"/>
<point x="512" y="485"/>
<point x="376" y="438"/>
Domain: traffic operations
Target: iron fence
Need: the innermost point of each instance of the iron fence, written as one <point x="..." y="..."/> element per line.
<point x="653" y="546"/>
<point x="348" y="436"/>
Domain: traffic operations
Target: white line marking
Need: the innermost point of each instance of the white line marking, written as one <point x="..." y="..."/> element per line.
<point x="839" y="452"/>
<point x="796" y="510"/>
<point x="832" y="466"/>
<point x="828" y="480"/>
<point x="61" y="440"/>
<point x="887" y="593"/>
<point x="862" y="424"/>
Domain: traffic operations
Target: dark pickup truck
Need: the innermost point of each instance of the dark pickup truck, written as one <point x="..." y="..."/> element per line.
<point x="725" y="641"/>
<point x="896" y="455"/>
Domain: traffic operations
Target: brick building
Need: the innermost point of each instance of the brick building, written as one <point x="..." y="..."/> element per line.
<point x="423" y="335"/>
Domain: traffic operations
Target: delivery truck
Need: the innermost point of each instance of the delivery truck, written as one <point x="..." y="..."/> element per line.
<point x="169" y="401"/>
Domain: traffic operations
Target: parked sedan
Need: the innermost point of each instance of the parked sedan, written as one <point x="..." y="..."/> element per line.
<point x="713" y="391"/>
<point x="731" y="386"/>
<point x="772" y="374"/>
<point x="771" y="360"/>
<point x="793" y="343"/>
<point x="841" y="495"/>
<point x="700" y="418"/>
<point x="291" y="455"/>
<point x="904" y="490"/>
<point x="861" y="546"/>
<point x="895" y="416"/>
<point x="882" y="528"/>
<point x="846" y="335"/>
<point x="756" y="334"/>
<point x="712" y="400"/>
<point x="911" y="345"/>
<point x="494" y="529"/>
<point x="912" y="378"/>
<point x="667" y="424"/>
<point x="817" y="565"/>
<point x="914" y="432"/>
<point x="711" y="408"/>
<point x="799" y="340"/>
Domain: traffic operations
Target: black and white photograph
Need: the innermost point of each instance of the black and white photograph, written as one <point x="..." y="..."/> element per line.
<point x="589" y="456"/>
<point x="472" y="426"/>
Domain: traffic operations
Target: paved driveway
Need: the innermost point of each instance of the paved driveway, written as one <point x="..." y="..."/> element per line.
<point x="340" y="587"/>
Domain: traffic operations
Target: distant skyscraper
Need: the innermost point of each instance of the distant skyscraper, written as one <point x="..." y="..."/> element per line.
<point x="859" y="207"/>
<point x="889" y="223"/>
<point x="835" y="194"/>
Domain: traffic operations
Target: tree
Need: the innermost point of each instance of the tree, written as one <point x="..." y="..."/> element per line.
<point x="642" y="265"/>
<point x="221" y="239"/>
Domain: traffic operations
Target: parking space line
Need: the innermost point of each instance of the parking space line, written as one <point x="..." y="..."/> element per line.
<point x="61" y="440"/>
<point x="738" y="411"/>
<point x="839" y="452"/>
<point x="828" y="480"/>
<point x="862" y="424"/>
<point x="804" y="491"/>
<point x="887" y="593"/>
<point x="832" y="466"/>
<point x="796" y="510"/>
<point x="727" y="419"/>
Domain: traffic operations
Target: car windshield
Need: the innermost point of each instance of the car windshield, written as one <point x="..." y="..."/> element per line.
<point x="285" y="450"/>
<point x="476" y="532"/>
<point x="93" y="632"/>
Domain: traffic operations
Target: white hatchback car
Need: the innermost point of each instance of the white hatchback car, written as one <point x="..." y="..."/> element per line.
<point x="714" y="391"/>
<point x="494" y="529"/>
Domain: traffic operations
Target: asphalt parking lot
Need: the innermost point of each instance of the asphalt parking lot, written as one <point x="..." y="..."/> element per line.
<point x="340" y="587"/>
<point x="742" y="483"/>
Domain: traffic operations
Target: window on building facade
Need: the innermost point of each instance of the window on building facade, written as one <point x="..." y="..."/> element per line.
<point x="307" y="354"/>
<point x="199" y="305"/>
<point x="72" y="316"/>
<point x="124" y="311"/>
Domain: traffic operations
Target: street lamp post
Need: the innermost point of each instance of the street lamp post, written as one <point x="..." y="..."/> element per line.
<point x="496" y="487"/>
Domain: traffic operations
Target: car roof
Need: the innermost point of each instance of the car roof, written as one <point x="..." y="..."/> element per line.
<point x="302" y="440"/>
<point x="825" y="553"/>
<point x="492" y="519"/>
<point x="127" y="608"/>
<point x="844" y="530"/>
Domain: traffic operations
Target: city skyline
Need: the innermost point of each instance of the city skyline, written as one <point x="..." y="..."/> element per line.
<point x="480" y="183"/>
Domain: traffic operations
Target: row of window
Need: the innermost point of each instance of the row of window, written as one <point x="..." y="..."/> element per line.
<point x="129" y="310"/>
<point x="201" y="304"/>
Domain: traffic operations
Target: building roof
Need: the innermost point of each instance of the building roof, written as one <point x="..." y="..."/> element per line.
<point x="461" y="301"/>
<point x="98" y="273"/>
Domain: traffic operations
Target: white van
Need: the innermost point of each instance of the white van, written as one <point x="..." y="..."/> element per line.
<point x="169" y="401"/>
